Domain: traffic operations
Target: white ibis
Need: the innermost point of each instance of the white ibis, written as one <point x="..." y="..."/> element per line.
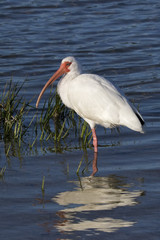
<point x="93" y="98"/>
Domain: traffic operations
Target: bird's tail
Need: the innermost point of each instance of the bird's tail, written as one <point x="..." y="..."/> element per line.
<point x="140" y="118"/>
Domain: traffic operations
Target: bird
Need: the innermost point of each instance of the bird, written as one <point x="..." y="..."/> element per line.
<point x="93" y="98"/>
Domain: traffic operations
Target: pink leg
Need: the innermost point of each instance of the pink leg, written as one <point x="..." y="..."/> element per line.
<point x="95" y="142"/>
<point x="94" y="166"/>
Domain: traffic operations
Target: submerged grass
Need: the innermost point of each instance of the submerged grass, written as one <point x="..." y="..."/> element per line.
<point x="2" y="171"/>
<point x="12" y="111"/>
<point x="42" y="186"/>
<point x="52" y="122"/>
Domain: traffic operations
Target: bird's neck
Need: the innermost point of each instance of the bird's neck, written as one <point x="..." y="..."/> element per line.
<point x="64" y="86"/>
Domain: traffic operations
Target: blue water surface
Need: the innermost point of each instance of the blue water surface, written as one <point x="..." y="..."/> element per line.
<point x="119" y="40"/>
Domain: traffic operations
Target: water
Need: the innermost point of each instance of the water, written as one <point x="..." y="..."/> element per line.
<point x="120" y="41"/>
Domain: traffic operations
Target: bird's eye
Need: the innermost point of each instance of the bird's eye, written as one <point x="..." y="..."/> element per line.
<point x="68" y="64"/>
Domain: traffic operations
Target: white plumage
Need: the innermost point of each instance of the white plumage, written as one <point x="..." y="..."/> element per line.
<point x="94" y="98"/>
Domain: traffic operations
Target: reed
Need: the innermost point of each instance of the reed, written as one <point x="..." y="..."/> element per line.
<point x="2" y="171"/>
<point x="43" y="182"/>
<point x="56" y="122"/>
<point x="12" y="111"/>
<point x="52" y="122"/>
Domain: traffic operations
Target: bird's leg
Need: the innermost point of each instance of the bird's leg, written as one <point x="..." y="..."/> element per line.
<point x="95" y="142"/>
<point x="94" y="166"/>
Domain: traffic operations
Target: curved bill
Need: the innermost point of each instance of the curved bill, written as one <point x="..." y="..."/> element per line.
<point x="56" y="75"/>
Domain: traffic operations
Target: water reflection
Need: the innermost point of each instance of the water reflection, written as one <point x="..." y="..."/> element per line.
<point x="94" y="195"/>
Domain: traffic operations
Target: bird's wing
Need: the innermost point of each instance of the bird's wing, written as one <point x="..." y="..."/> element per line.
<point x="97" y="99"/>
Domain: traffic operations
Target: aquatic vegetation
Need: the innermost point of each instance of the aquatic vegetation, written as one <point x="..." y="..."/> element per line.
<point x="42" y="186"/>
<point x="56" y="122"/>
<point x="53" y="122"/>
<point x="2" y="171"/>
<point x="12" y="111"/>
<point x="28" y="131"/>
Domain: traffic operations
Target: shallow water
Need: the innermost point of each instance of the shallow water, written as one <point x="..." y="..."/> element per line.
<point x="120" y="41"/>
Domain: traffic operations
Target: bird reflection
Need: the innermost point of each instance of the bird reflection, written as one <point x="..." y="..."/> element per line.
<point x="95" y="195"/>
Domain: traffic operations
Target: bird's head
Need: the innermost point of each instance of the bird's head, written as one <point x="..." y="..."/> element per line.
<point x="68" y="64"/>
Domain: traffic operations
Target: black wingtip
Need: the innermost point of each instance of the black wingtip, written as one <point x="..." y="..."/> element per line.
<point x="140" y="118"/>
